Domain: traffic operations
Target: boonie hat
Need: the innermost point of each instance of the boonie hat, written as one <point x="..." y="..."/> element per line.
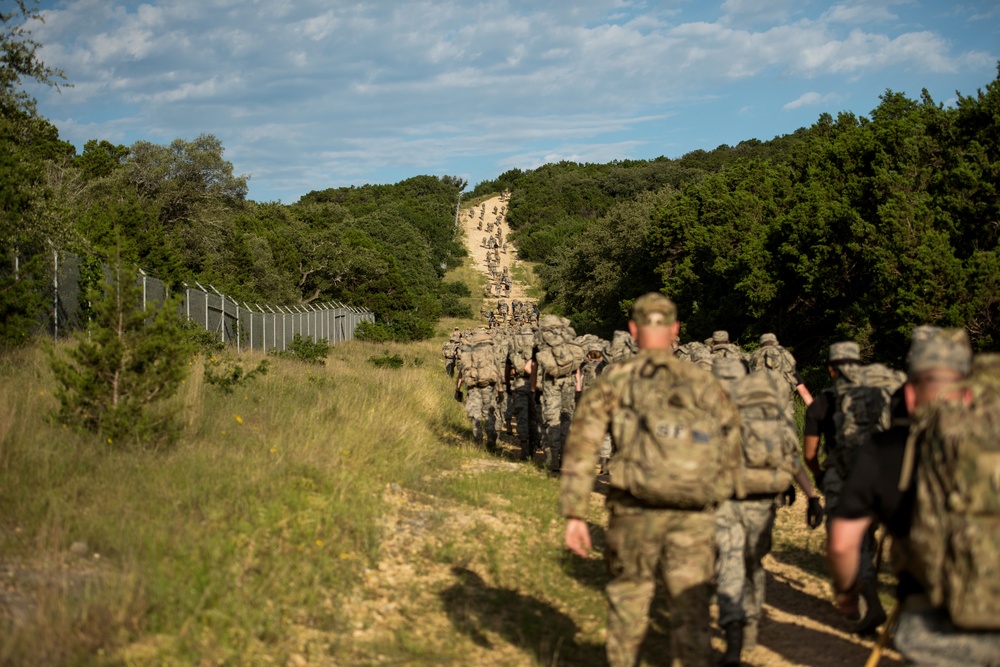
<point x="949" y="348"/>
<point x="846" y="350"/>
<point x="719" y="337"/>
<point x="654" y="309"/>
<point x="768" y="338"/>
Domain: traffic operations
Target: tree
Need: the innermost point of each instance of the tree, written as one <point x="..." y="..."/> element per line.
<point x="129" y="360"/>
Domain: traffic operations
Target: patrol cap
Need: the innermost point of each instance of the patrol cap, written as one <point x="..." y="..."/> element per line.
<point x="654" y="309"/>
<point x="768" y="339"/>
<point x="846" y="350"/>
<point x="923" y="332"/>
<point x="727" y="368"/>
<point x="720" y="337"/>
<point x="948" y="348"/>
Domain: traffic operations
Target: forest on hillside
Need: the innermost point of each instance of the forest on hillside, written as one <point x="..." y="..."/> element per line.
<point x="857" y="227"/>
<point x="180" y="213"/>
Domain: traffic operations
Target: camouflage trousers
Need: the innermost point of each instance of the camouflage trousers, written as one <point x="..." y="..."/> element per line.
<point x="926" y="636"/>
<point x="558" y="403"/>
<point x="832" y="485"/>
<point x="743" y="535"/>
<point x="519" y="405"/>
<point x="449" y="367"/>
<point x="480" y="407"/>
<point x="676" y="546"/>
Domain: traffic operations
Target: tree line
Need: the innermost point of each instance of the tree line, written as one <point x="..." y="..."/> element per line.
<point x="181" y="213"/>
<point x="856" y="227"/>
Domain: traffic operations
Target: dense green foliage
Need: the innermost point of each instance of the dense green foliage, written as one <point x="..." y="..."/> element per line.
<point x="853" y="228"/>
<point x="126" y="364"/>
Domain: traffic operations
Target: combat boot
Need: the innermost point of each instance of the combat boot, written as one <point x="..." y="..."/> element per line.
<point x="734" y="644"/>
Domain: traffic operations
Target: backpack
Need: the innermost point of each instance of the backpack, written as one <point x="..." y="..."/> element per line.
<point x="861" y="402"/>
<point x="450" y="349"/>
<point x="697" y="353"/>
<point x="775" y="359"/>
<point x="669" y="451"/>
<point x="728" y="351"/>
<point x="954" y="541"/>
<point x="770" y="442"/>
<point x="558" y="354"/>
<point x="622" y="347"/>
<point x="521" y="345"/>
<point x="479" y="365"/>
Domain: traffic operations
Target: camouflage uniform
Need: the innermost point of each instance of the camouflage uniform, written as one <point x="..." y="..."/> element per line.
<point x="558" y="403"/>
<point x="480" y="407"/>
<point x="645" y="541"/>
<point x="743" y="534"/>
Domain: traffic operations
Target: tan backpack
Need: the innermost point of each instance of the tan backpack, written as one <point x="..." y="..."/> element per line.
<point x="775" y="359"/>
<point x="558" y="354"/>
<point x="770" y="443"/>
<point x="478" y="362"/>
<point x="861" y="408"/>
<point x="669" y="449"/>
<point x="622" y="347"/>
<point x="954" y="544"/>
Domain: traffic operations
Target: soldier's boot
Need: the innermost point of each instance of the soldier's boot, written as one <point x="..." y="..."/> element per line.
<point x="604" y="465"/>
<point x="874" y="615"/>
<point x="734" y="644"/>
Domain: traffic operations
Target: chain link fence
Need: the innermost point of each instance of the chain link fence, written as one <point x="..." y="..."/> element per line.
<point x="238" y="323"/>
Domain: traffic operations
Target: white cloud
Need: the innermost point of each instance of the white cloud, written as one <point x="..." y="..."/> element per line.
<point x="811" y="98"/>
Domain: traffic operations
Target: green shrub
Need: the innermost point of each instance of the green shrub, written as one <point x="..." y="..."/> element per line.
<point x="387" y="360"/>
<point x="373" y="332"/>
<point x="304" y="349"/>
<point x="227" y="375"/>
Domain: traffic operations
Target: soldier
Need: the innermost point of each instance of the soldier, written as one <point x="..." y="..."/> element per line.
<point x="556" y="373"/>
<point x="695" y="352"/>
<point x="521" y="398"/>
<point x="948" y="611"/>
<point x="721" y="347"/>
<point x="480" y="376"/>
<point x="450" y="352"/>
<point x="674" y="465"/>
<point x="592" y="368"/>
<point x="743" y="527"/>
<point x="826" y="418"/>
<point x="773" y="357"/>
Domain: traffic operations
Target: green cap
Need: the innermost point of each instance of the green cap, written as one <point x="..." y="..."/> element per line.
<point x="654" y="309"/>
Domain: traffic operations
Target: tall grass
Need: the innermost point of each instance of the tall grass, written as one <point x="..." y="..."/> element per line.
<point x="225" y="547"/>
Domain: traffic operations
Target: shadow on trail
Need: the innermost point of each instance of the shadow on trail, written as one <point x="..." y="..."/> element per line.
<point x="536" y="627"/>
<point x="805" y="645"/>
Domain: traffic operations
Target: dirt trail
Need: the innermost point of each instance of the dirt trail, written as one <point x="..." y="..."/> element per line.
<point x="477" y="252"/>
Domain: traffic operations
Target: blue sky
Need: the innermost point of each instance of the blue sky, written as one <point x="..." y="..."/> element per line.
<point x="311" y="94"/>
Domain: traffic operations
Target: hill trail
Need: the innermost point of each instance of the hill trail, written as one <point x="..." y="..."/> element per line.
<point x="473" y="236"/>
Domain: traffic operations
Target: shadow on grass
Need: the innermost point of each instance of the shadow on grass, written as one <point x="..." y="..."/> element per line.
<point x="591" y="572"/>
<point x="479" y="611"/>
<point x="805" y="645"/>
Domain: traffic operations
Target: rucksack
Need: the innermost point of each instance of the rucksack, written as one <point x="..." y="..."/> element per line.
<point x="776" y="360"/>
<point x="450" y="349"/>
<point x="622" y="347"/>
<point x="558" y="354"/>
<point x="861" y="407"/>
<point x="521" y="345"/>
<point x="728" y="351"/>
<point x="669" y="448"/>
<point x="479" y="365"/>
<point x="953" y="547"/>
<point x="697" y="353"/>
<point x="770" y="443"/>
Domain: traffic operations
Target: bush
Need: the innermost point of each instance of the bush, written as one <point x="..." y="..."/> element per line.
<point x="387" y="360"/>
<point x="373" y="332"/>
<point x="128" y="361"/>
<point x="304" y="349"/>
<point x="452" y="306"/>
<point x="231" y="376"/>
<point x="456" y="287"/>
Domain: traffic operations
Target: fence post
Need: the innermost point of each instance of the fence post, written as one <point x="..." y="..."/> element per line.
<point x="55" y="292"/>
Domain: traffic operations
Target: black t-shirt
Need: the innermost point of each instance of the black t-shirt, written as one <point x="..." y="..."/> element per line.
<point x="819" y="417"/>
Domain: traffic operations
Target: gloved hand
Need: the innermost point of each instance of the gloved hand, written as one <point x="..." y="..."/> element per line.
<point x="814" y="513"/>
<point x="458" y="395"/>
<point x="499" y="397"/>
<point x="788" y="497"/>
